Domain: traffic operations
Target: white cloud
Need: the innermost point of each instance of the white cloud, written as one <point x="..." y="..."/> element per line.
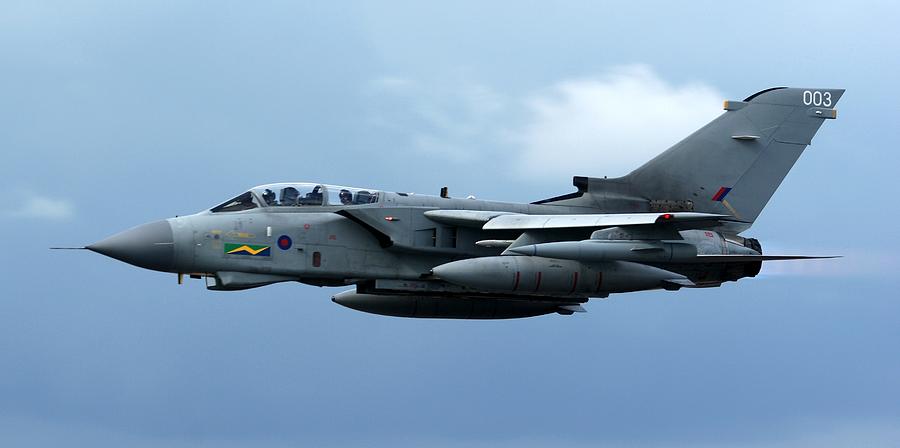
<point x="454" y="120"/>
<point x="35" y="206"/>
<point x="392" y="83"/>
<point x="605" y="125"/>
<point x="610" y="124"/>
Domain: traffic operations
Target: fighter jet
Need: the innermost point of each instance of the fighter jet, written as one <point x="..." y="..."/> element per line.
<point x="675" y="222"/>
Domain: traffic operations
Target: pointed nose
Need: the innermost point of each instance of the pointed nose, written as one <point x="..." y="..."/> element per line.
<point x="149" y="246"/>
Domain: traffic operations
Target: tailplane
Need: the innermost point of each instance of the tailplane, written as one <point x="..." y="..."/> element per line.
<point x="733" y="165"/>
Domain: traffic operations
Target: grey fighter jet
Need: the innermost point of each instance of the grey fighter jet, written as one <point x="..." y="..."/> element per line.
<point x="675" y="222"/>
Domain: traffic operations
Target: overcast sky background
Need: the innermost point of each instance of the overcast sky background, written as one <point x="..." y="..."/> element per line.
<point x="113" y="114"/>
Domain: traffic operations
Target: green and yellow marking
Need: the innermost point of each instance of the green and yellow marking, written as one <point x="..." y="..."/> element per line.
<point x="253" y="250"/>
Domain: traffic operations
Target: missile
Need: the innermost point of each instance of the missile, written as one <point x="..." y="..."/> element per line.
<point x="539" y="276"/>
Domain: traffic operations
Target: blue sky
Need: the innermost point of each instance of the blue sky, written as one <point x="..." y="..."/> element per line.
<point x="116" y="114"/>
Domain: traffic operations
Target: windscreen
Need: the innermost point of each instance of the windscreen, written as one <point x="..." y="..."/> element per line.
<point x="245" y="201"/>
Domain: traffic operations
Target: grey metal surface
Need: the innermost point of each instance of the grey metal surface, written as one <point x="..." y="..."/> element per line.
<point x="461" y="307"/>
<point x="673" y="222"/>
<point x="149" y="246"/>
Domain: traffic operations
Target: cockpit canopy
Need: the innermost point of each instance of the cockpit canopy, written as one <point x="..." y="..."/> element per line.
<point x="297" y="195"/>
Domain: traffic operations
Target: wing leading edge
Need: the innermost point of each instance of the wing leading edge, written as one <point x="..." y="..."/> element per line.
<point x="681" y="220"/>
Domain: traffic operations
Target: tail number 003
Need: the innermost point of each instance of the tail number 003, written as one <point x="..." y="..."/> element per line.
<point x="817" y="98"/>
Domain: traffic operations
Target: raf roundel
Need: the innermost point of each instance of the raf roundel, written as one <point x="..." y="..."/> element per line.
<point x="284" y="242"/>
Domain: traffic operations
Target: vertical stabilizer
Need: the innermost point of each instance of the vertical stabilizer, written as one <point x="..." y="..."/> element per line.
<point x="734" y="164"/>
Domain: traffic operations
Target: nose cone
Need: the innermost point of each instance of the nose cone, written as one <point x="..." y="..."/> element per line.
<point x="149" y="246"/>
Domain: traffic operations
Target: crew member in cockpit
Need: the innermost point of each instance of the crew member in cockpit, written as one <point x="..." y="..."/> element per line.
<point x="289" y="196"/>
<point x="269" y="197"/>
<point x="346" y="197"/>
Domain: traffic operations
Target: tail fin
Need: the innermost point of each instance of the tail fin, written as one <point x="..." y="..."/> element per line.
<point x="735" y="163"/>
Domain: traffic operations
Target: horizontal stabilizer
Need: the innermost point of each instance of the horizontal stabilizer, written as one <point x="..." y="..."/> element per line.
<point x="681" y="220"/>
<point x="740" y="258"/>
